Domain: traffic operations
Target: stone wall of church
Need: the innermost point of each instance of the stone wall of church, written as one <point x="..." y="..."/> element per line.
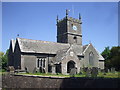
<point x="30" y="61"/>
<point x="70" y="57"/>
<point x="101" y="64"/>
<point x="87" y="58"/>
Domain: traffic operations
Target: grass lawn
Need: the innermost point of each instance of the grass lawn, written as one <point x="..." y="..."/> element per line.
<point x="101" y="75"/>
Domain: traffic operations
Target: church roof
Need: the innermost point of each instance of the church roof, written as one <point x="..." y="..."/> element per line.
<point x="85" y="47"/>
<point x="62" y="53"/>
<point x="13" y="44"/>
<point x="38" y="46"/>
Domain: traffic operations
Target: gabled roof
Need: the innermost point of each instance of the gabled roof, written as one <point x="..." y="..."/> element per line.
<point x="60" y="55"/>
<point x="38" y="46"/>
<point x="13" y="44"/>
<point x="85" y="47"/>
<point x="100" y="57"/>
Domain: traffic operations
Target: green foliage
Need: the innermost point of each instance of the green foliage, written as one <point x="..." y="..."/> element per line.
<point x="112" y="57"/>
<point x="4" y="59"/>
<point x="106" y="53"/>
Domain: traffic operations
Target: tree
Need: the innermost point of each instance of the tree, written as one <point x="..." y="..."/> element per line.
<point x="4" y="59"/>
<point x="115" y="57"/>
<point x="112" y="57"/>
<point x="106" y="55"/>
<point x="1" y="58"/>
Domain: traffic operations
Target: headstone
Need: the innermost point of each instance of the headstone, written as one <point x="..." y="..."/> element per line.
<point x="73" y="71"/>
<point x="104" y="73"/>
<point x="94" y="72"/>
<point x="85" y="69"/>
<point x="80" y="73"/>
<point x="34" y="71"/>
<point x="113" y="70"/>
<point x="99" y="70"/>
<point x="12" y="70"/>
<point x="108" y="70"/>
<point x="53" y="69"/>
<point x="88" y="72"/>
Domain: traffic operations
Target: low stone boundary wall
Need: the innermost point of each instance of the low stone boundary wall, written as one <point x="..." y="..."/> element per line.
<point x="23" y="81"/>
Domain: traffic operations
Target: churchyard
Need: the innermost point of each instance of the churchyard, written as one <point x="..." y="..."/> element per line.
<point x="100" y="75"/>
<point x="86" y="72"/>
<point x="87" y="78"/>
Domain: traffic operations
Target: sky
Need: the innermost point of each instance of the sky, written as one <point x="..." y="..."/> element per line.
<point x="37" y="21"/>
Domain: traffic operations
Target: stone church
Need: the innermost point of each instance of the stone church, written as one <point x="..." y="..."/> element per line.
<point x="55" y="57"/>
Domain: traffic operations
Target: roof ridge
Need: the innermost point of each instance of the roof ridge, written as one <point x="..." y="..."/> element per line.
<point x="44" y="41"/>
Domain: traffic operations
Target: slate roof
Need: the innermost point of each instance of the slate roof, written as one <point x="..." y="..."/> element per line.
<point x="84" y="47"/>
<point x="60" y="55"/>
<point x="38" y="46"/>
<point x="47" y="47"/>
<point x="100" y="57"/>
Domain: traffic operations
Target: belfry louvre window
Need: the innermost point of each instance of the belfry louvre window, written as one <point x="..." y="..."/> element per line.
<point x="40" y="62"/>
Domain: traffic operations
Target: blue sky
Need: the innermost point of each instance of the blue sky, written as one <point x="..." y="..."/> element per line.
<point x="37" y="20"/>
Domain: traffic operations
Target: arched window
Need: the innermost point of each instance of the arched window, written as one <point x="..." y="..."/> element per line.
<point x="91" y="58"/>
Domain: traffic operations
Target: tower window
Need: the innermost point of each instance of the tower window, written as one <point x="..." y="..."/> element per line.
<point x="75" y="39"/>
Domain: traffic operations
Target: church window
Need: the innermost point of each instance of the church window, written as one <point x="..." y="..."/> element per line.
<point x="44" y="62"/>
<point x="40" y="62"/>
<point x="75" y="39"/>
<point x="91" y="58"/>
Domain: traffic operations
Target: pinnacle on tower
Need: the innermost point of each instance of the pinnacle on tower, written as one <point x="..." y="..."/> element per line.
<point x="79" y="16"/>
<point x="57" y="18"/>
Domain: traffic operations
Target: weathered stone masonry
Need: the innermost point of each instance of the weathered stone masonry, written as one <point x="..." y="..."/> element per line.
<point x="55" y="57"/>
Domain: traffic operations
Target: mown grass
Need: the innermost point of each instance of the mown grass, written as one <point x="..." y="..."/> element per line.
<point x="100" y="75"/>
<point x="109" y="75"/>
<point x="44" y="74"/>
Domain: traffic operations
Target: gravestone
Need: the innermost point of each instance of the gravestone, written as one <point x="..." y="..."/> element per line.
<point x="94" y="72"/>
<point x="112" y="70"/>
<point x="88" y="72"/>
<point x="53" y="69"/>
<point x="12" y="70"/>
<point x="108" y="70"/>
<point x="73" y="71"/>
<point x="85" y="69"/>
<point x="81" y="71"/>
<point x="99" y="70"/>
<point x="34" y="71"/>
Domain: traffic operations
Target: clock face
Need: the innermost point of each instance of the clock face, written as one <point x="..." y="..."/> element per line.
<point x="74" y="27"/>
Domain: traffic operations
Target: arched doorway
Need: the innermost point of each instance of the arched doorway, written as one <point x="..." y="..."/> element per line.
<point x="70" y="65"/>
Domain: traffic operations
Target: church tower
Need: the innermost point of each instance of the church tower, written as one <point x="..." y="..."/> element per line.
<point x="69" y="30"/>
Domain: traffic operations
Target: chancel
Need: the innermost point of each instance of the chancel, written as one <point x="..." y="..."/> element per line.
<point x="55" y="57"/>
